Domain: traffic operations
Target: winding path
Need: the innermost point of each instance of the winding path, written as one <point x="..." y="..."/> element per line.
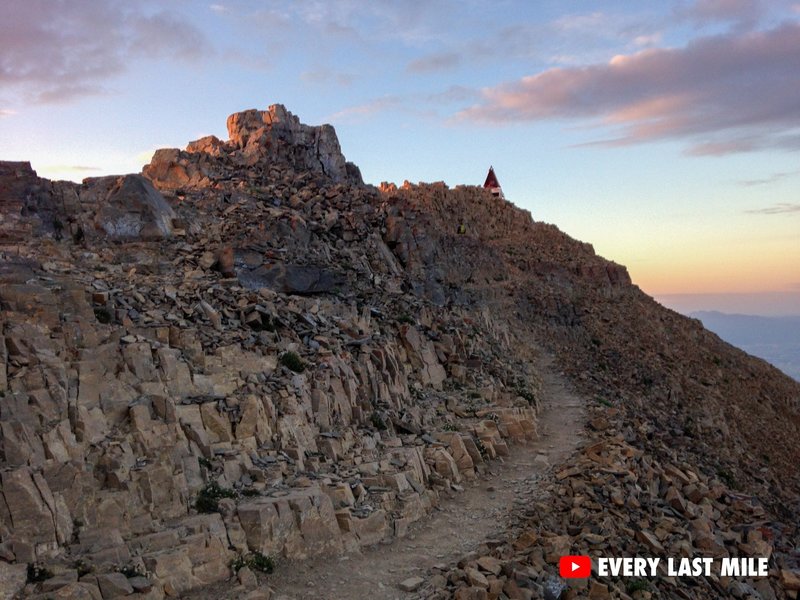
<point x="458" y="525"/>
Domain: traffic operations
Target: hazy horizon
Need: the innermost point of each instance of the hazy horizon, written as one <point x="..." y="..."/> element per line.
<point x="775" y="339"/>
<point x="765" y="304"/>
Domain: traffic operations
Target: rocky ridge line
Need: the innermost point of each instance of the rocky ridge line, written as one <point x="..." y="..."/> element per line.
<point x="144" y="371"/>
<point x="176" y="397"/>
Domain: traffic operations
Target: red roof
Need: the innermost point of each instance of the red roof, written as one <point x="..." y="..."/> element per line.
<point x="491" y="180"/>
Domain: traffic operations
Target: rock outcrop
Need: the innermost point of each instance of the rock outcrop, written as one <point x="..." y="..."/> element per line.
<point x="258" y="140"/>
<point x="115" y="207"/>
<point x="31" y="206"/>
<point x="259" y="358"/>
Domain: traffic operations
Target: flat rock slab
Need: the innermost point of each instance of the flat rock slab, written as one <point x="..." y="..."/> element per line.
<point x="411" y="584"/>
<point x="293" y="279"/>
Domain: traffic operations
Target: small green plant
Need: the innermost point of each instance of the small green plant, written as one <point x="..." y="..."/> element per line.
<point x="262" y="562"/>
<point x="482" y="448"/>
<point x="83" y="568"/>
<point x="378" y="422"/>
<point x="638" y="585"/>
<point x="103" y="315"/>
<point x="204" y="462"/>
<point x="407" y="319"/>
<point x="527" y="395"/>
<point x="209" y="497"/>
<point x="132" y="570"/>
<point x="293" y="362"/>
<point x="267" y="324"/>
<point x="474" y="395"/>
<point x="450" y="427"/>
<point x="263" y="323"/>
<point x="604" y="402"/>
<point x="255" y="561"/>
<point x="727" y="477"/>
<point x="238" y="563"/>
<point x="37" y="573"/>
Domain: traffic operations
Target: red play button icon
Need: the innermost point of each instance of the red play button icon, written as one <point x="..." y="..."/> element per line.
<point x="575" y="566"/>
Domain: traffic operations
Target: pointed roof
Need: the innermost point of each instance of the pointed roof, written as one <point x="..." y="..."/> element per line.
<point x="491" y="180"/>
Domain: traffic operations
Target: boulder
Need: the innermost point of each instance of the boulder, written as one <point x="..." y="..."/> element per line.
<point x="169" y="169"/>
<point x="128" y="207"/>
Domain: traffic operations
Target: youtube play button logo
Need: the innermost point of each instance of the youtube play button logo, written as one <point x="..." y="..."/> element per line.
<point x="575" y="567"/>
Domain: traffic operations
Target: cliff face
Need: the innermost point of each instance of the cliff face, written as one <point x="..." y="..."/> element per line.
<point x="249" y="351"/>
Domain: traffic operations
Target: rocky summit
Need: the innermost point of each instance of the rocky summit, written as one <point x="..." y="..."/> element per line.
<point x="244" y="359"/>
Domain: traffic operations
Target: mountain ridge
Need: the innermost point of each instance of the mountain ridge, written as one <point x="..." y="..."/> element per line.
<point x="248" y="327"/>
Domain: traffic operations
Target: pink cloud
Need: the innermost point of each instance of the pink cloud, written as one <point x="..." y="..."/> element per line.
<point x="726" y="93"/>
<point x="55" y="52"/>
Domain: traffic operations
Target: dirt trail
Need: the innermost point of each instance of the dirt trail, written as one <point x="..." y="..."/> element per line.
<point x="459" y="524"/>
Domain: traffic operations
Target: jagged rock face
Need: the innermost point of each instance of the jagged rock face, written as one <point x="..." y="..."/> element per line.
<point x="136" y="373"/>
<point x="117" y="207"/>
<point x="30" y="205"/>
<point x="112" y="423"/>
<point x="277" y="132"/>
<point x="258" y="139"/>
<point x="327" y="358"/>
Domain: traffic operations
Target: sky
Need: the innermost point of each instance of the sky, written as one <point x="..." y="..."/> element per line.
<point x="666" y="134"/>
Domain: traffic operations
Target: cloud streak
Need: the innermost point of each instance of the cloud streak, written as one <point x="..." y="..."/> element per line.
<point x="56" y="52"/>
<point x="363" y="111"/>
<point x="744" y="13"/>
<point x="781" y="208"/>
<point x="727" y="93"/>
<point x="443" y="61"/>
<point x="323" y="76"/>
<point x="767" y="180"/>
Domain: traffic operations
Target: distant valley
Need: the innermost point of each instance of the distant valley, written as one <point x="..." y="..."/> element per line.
<point x="775" y="339"/>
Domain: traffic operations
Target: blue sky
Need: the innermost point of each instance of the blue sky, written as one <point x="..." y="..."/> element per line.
<point x="665" y="134"/>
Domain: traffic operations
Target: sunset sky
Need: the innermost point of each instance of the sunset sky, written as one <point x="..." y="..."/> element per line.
<point x="665" y="134"/>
